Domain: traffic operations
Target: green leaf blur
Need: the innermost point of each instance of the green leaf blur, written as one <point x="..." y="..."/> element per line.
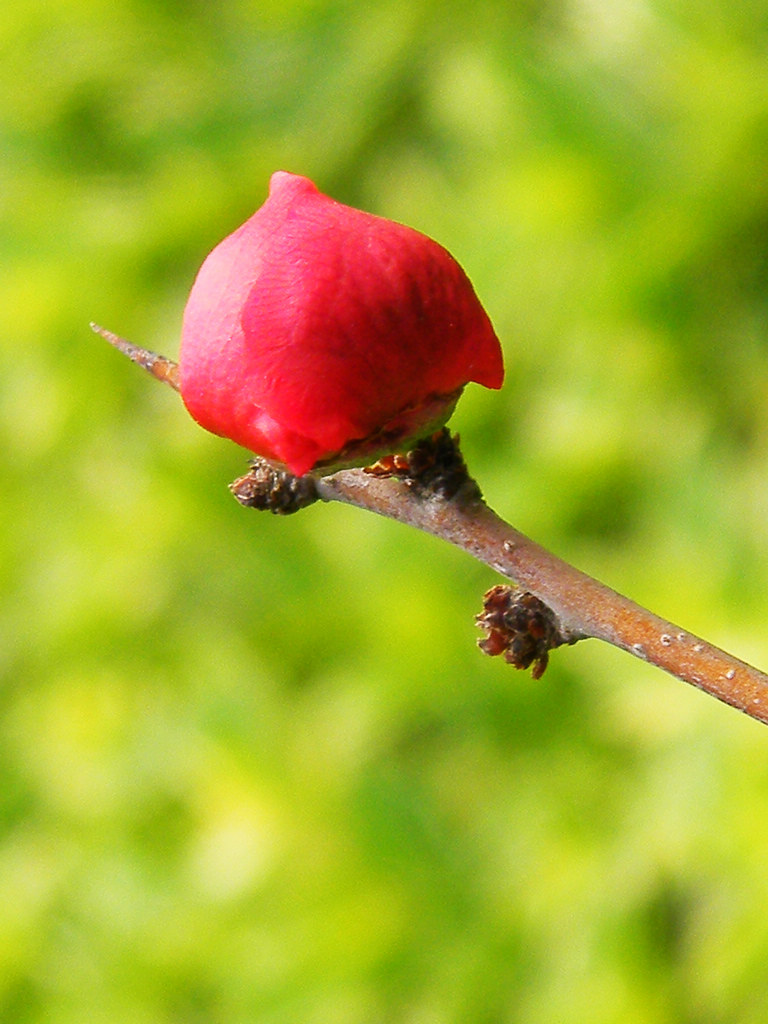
<point x="256" y="770"/>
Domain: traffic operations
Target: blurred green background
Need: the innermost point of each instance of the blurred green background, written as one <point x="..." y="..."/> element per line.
<point x="256" y="770"/>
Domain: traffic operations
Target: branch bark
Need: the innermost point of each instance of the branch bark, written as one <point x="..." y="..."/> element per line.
<point x="433" y="492"/>
<point x="584" y="606"/>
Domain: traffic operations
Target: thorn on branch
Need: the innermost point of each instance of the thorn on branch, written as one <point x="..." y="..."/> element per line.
<point x="266" y="488"/>
<point x="521" y="627"/>
<point x="435" y="467"/>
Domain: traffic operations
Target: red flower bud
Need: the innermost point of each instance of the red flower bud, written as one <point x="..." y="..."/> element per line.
<point x="319" y="335"/>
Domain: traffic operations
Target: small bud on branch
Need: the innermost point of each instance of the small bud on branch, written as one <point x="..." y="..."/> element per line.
<point x="521" y="627"/>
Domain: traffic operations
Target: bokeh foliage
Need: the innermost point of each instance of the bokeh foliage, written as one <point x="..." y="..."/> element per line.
<point x="255" y="769"/>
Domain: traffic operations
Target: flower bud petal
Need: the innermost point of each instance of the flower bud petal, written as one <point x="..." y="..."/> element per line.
<point x="316" y="332"/>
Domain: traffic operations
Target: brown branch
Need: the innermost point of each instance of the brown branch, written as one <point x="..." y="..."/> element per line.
<point x="584" y="607"/>
<point x="432" y="491"/>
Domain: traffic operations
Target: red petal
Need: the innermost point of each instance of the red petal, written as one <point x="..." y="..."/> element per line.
<point x="326" y="323"/>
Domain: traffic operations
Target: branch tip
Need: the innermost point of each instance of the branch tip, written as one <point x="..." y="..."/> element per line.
<point x="165" y="370"/>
